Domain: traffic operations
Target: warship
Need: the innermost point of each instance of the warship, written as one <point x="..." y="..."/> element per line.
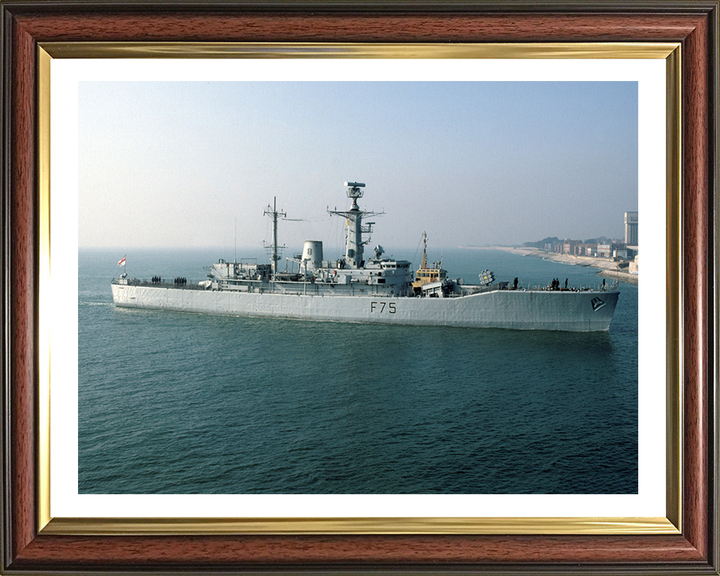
<point x="372" y="289"/>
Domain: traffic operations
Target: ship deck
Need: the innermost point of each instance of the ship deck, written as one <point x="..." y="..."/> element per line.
<point x="147" y="284"/>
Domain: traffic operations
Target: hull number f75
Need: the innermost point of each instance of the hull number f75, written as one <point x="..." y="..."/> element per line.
<point x="382" y="307"/>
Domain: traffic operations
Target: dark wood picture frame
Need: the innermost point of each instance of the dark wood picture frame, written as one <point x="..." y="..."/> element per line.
<point x="694" y="24"/>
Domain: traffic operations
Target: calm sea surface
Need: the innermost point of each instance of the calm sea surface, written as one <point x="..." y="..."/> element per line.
<point x="192" y="403"/>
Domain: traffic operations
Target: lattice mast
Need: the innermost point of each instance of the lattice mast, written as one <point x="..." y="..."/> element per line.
<point x="354" y="244"/>
<point x="273" y="212"/>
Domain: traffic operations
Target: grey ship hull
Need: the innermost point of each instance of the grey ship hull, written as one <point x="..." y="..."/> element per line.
<point x="575" y="311"/>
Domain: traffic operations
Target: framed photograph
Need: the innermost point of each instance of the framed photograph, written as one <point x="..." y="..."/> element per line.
<point x="473" y="409"/>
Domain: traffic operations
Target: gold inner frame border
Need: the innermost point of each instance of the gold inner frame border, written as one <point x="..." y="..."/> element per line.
<point x="671" y="524"/>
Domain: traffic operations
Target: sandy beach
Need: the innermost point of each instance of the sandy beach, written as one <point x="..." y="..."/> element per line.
<point x="606" y="266"/>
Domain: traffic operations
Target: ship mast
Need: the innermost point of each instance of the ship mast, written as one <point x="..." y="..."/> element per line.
<point x="275" y="255"/>
<point x="424" y="261"/>
<point x="354" y="245"/>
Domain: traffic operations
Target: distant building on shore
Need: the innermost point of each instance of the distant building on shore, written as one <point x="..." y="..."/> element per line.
<point x="605" y="250"/>
<point x="601" y="247"/>
<point x="590" y="249"/>
<point x="568" y="246"/>
<point x="631" y="228"/>
<point x="585" y="249"/>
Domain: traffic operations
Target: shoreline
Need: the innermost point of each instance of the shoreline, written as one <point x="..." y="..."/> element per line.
<point x="605" y="266"/>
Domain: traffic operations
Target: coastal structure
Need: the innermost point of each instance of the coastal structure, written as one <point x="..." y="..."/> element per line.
<point x="631" y="228"/>
<point x="370" y="288"/>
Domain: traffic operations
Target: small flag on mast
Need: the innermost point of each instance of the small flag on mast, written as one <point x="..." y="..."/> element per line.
<point x="122" y="261"/>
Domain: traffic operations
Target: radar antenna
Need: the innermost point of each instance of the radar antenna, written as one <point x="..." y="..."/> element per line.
<point x="354" y="192"/>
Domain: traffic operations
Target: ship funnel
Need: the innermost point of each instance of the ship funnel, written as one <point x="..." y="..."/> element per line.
<point x="312" y="253"/>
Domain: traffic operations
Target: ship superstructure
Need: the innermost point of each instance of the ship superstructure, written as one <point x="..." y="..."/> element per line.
<point x="310" y="273"/>
<point x="368" y="288"/>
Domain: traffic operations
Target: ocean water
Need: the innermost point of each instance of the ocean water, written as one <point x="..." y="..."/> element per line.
<point x="191" y="403"/>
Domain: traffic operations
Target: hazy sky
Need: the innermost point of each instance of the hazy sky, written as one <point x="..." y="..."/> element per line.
<point x="177" y="164"/>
